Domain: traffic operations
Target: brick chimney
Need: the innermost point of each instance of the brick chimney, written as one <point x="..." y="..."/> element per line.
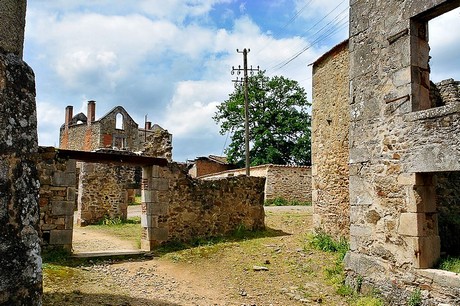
<point x="148" y="125"/>
<point x="68" y="116"/>
<point x="91" y="113"/>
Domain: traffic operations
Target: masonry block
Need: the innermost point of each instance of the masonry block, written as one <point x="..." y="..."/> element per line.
<point x="426" y="251"/>
<point x="160" y="209"/>
<point x="157" y="233"/>
<point x="418" y="224"/>
<point x="421" y="198"/>
<point x="59" y="208"/>
<point x="64" y="179"/>
<point x="160" y="184"/>
<point x="61" y="236"/>
<point x="149" y="196"/>
<point x="71" y="194"/>
<point x="155" y="172"/>
<point x="149" y="221"/>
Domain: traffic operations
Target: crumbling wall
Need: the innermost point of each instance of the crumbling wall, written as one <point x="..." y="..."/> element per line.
<point x="156" y="142"/>
<point x="57" y="198"/>
<point x="176" y="207"/>
<point x="396" y="142"/>
<point x="330" y="154"/>
<point x="292" y="183"/>
<point x="20" y="261"/>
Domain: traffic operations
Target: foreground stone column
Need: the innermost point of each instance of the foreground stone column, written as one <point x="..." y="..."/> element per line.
<point x="12" y="23"/>
<point x="20" y="261"/>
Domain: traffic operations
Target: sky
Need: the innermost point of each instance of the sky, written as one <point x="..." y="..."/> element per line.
<point x="171" y="60"/>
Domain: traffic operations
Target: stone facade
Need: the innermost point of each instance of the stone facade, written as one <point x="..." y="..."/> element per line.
<point x="292" y="183"/>
<point x="329" y="144"/>
<point x="404" y="155"/>
<point x="176" y="207"/>
<point x="20" y="261"/>
<point x="57" y="198"/>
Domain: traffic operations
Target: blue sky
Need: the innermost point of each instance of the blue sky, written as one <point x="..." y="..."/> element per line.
<point x="172" y="59"/>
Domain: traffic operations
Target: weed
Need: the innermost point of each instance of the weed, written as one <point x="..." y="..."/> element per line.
<point x="415" y="299"/>
<point x="283" y="202"/>
<point x="450" y="264"/>
<point x="324" y="242"/>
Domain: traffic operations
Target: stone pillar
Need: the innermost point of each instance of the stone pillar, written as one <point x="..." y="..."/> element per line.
<point x="12" y="23"/>
<point x="154" y="215"/>
<point x="20" y="261"/>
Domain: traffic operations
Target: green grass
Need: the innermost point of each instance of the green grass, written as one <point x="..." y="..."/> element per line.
<point x="283" y="202"/>
<point x="126" y="230"/>
<point x="450" y="264"/>
<point x="336" y="274"/>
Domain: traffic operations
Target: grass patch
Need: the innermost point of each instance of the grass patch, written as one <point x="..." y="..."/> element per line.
<point x="335" y="273"/>
<point x="129" y="229"/>
<point x="283" y="202"/>
<point x="451" y="264"/>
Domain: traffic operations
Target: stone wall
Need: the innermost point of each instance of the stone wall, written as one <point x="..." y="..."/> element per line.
<point x="176" y="207"/>
<point x="156" y="142"/>
<point x="206" y="166"/>
<point x="57" y="198"/>
<point x="396" y="142"/>
<point x="20" y="261"/>
<point x="102" y="191"/>
<point x="292" y="183"/>
<point x="330" y="154"/>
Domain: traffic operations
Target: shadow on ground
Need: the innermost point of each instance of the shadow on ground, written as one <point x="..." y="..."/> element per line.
<point x="78" y="299"/>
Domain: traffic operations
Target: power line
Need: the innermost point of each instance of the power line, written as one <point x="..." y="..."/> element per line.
<point x="327" y="33"/>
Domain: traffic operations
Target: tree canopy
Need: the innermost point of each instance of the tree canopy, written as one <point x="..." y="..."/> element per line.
<point x="279" y="123"/>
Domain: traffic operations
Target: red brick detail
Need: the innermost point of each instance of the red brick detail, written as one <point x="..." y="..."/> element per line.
<point x="87" y="143"/>
<point x="107" y="140"/>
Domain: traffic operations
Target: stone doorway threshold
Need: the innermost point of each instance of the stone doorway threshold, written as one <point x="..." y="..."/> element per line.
<point x="111" y="254"/>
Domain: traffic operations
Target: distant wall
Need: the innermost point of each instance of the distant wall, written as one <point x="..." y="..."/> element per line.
<point x="176" y="207"/>
<point x="287" y="182"/>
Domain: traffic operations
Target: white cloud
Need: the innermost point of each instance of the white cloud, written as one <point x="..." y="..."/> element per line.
<point x="193" y="106"/>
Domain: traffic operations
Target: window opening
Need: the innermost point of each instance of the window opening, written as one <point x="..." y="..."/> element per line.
<point x="435" y="63"/>
<point x="119" y="122"/>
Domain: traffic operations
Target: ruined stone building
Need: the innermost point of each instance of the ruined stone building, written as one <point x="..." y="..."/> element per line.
<point x="386" y="153"/>
<point x="105" y="190"/>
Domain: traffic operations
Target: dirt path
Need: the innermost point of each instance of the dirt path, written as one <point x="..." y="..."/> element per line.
<point x="276" y="269"/>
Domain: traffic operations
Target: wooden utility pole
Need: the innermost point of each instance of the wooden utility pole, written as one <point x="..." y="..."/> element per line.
<point x="246" y="101"/>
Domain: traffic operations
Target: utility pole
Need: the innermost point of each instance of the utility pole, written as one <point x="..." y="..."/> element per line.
<point x="246" y="102"/>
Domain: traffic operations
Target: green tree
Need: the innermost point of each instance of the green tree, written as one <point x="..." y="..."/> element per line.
<point x="279" y="123"/>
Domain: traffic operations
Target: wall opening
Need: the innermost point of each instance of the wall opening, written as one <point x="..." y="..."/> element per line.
<point x="448" y="208"/>
<point x="119" y="122"/>
<point x="432" y="48"/>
